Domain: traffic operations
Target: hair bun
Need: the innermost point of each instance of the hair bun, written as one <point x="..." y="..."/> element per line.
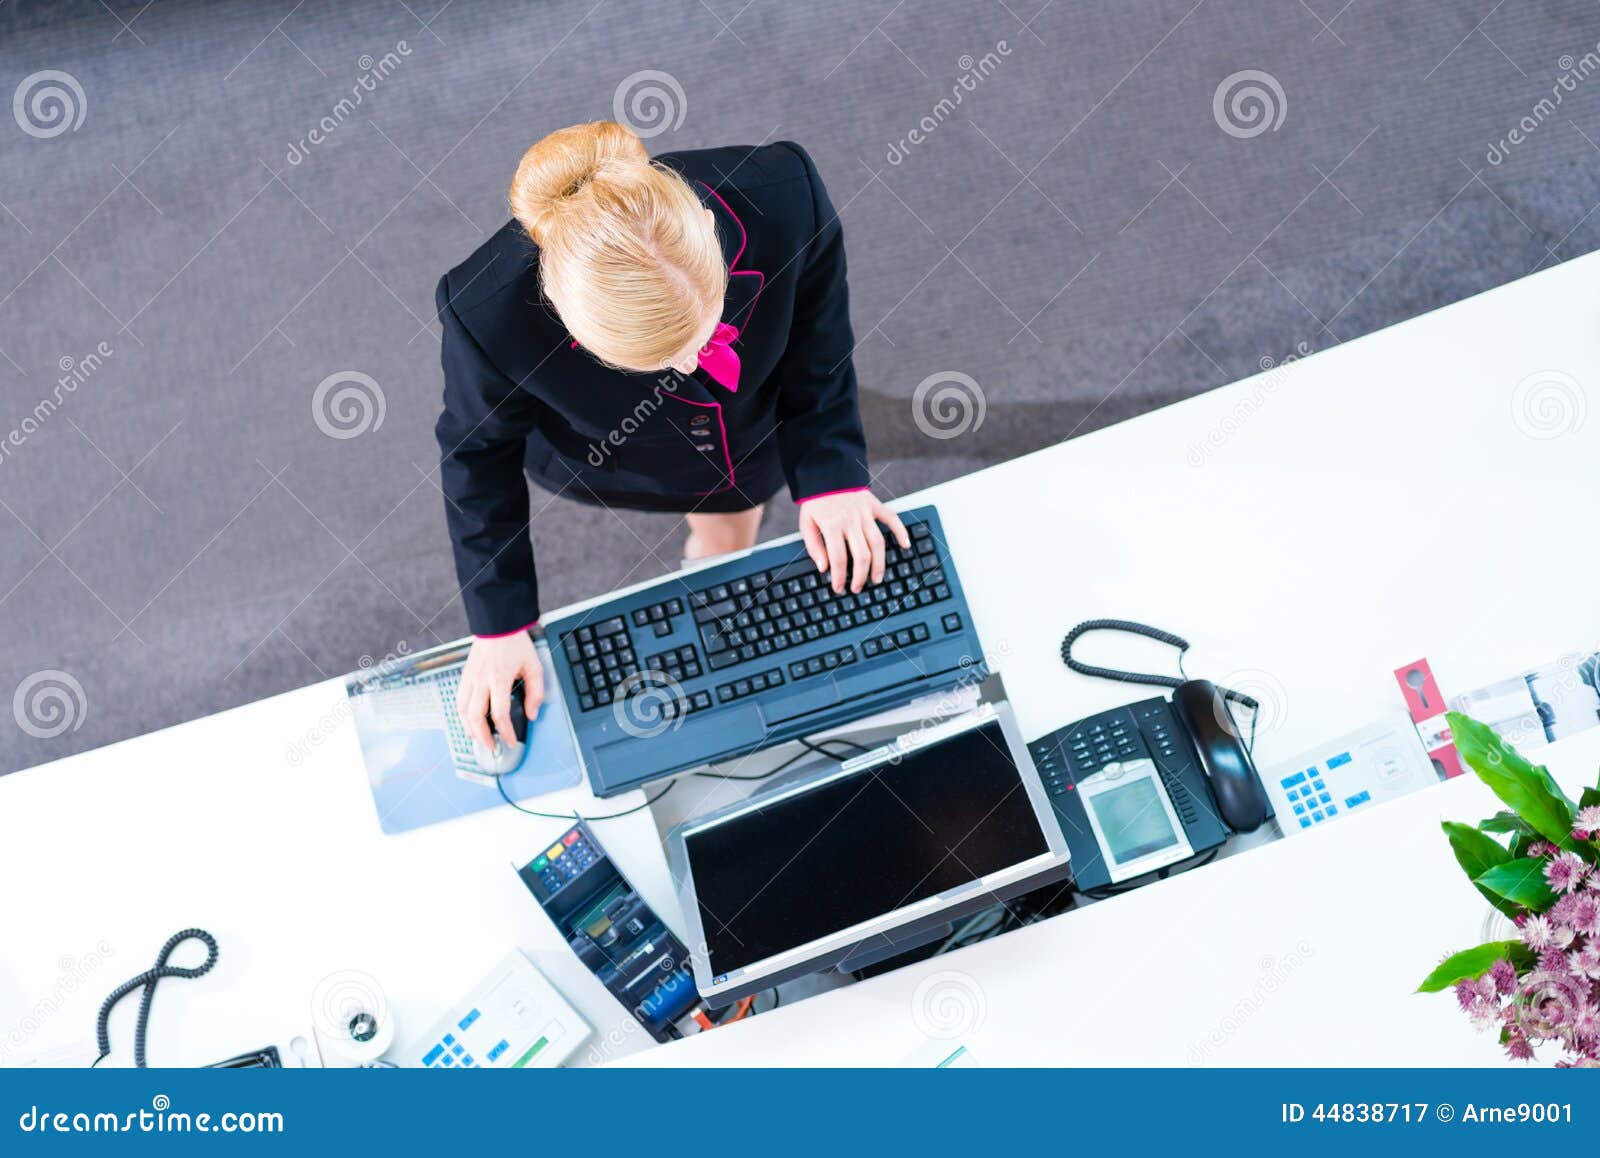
<point x="559" y="168"/>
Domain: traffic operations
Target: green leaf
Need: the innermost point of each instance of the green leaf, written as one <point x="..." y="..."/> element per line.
<point x="1590" y="797"/>
<point x="1521" y="880"/>
<point x="1506" y="822"/>
<point x="1477" y="854"/>
<point x="1529" y="791"/>
<point x="1465" y="965"/>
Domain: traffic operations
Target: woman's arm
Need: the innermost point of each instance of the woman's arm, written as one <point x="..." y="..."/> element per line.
<point x="819" y="427"/>
<point x="482" y="438"/>
<point x="820" y="439"/>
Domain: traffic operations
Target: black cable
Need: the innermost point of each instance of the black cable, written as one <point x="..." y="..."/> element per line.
<point x="1199" y="860"/>
<point x="147" y="981"/>
<point x="500" y="783"/>
<point x="808" y="748"/>
<point x="1133" y="677"/>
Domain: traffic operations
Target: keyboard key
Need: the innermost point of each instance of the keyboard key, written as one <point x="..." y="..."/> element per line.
<point x="611" y="626"/>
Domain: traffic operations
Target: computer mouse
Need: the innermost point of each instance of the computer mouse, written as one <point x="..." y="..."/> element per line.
<point x="1240" y="798"/>
<point x="506" y="754"/>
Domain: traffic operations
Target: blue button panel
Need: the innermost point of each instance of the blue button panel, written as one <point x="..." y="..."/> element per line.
<point x="1292" y="781"/>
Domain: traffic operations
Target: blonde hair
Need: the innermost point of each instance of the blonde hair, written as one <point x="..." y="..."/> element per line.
<point x="626" y="254"/>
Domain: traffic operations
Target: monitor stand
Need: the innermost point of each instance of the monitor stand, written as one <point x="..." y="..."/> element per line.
<point x="864" y="956"/>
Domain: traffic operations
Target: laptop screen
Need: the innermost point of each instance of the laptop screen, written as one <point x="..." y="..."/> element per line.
<point x="859" y="846"/>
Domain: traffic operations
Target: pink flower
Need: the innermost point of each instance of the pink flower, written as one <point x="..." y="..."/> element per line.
<point x="1504" y="976"/>
<point x="1538" y="933"/>
<point x="1553" y="960"/>
<point x="1565" y="872"/>
<point x="1588" y="819"/>
<point x="1586" y="961"/>
<point x="1584" y="916"/>
<point x="1585" y="1024"/>
<point x="1542" y="848"/>
<point x="1518" y="1048"/>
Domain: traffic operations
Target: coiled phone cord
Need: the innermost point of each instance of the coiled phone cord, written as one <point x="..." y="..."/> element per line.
<point x="147" y="980"/>
<point x="1134" y="677"/>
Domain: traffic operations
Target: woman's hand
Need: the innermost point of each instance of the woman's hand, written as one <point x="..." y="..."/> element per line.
<point x="843" y="528"/>
<point x="492" y="666"/>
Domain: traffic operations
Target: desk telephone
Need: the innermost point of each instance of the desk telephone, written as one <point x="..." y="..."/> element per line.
<point x="1151" y="784"/>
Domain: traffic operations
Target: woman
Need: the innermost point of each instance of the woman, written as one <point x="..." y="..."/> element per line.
<point x="661" y="336"/>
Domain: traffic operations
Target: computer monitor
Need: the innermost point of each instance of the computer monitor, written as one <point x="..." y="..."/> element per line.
<point x="858" y="858"/>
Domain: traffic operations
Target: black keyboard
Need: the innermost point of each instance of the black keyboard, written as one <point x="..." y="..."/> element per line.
<point x="744" y="626"/>
<point x="744" y="654"/>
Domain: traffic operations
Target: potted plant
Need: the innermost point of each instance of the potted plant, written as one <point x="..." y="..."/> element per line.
<point x="1538" y="863"/>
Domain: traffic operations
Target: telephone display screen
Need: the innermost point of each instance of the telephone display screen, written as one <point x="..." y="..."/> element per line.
<point x="860" y="846"/>
<point x="1133" y="820"/>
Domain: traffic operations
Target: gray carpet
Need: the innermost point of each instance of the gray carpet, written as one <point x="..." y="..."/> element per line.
<point x="1079" y="234"/>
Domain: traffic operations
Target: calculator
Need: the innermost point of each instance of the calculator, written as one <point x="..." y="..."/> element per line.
<point x="512" y="1019"/>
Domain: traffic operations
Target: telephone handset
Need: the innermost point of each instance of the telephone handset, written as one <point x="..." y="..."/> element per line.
<point x="1145" y="786"/>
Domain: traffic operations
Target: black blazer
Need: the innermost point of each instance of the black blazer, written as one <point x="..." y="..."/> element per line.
<point x="519" y="394"/>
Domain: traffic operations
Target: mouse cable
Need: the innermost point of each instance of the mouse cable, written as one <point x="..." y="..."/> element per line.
<point x="147" y="981"/>
<point x="500" y="783"/>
